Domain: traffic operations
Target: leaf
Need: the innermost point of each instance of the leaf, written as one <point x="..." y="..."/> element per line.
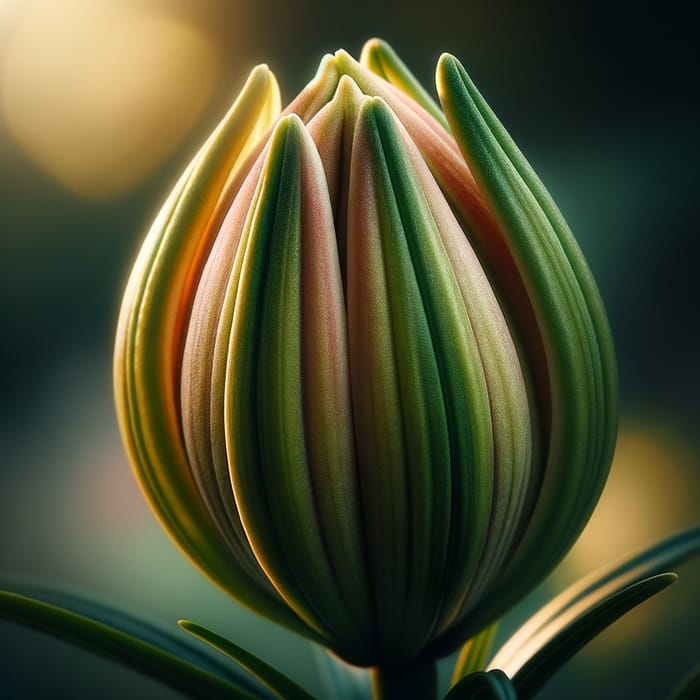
<point x="484" y="685"/>
<point x="559" y="642"/>
<point x="277" y="682"/>
<point x="164" y="638"/>
<point x="592" y="590"/>
<point x="118" y="646"/>
<point x="474" y="653"/>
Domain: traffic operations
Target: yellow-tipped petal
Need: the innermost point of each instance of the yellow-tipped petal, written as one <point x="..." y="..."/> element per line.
<point x="381" y="59"/>
<point x="150" y="336"/>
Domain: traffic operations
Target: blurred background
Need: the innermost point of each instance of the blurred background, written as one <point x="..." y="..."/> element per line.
<point x="103" y="102"/>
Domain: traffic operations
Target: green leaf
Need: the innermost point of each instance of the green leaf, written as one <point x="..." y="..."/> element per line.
<point x="484" y="685"/>
<point x="277" y="682"/>
<point x="474" y="653"/>
<point x="591" y="591"/>
<point x="164" y="638"/>
<point x="559" y="642"/>
<point x="118" y="646"/>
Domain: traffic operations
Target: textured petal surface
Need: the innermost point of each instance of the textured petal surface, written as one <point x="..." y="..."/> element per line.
<point x="150" y="333"/>
<point x="575" y="376"/>
<point x="362" y="368"/>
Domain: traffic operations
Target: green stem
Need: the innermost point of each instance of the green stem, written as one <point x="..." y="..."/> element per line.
<point x="417" y="682"/>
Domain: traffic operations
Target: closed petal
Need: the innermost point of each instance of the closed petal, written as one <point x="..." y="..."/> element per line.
<point x="286" y="385"/>
<point x="578" y="357"/>
<point x="420" y="399"/>
<point x="150" y="337"/>
<point x="383" y="61"/>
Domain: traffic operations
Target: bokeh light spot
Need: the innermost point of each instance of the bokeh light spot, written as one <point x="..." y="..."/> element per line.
<point x="99" y="93"/>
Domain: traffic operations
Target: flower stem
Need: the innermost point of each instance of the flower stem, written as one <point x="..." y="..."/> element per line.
<point x="405" y="682"/>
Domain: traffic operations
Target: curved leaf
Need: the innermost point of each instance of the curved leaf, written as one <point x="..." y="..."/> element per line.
<point x="474" y="653"/>
<point x="277" y="682"/>
<point x="592" y="590"/>
<point x="557" y="643"/>
<point x="484" y="685"/>
<point x="164" y="638"/>
<point x="123" y="648"/>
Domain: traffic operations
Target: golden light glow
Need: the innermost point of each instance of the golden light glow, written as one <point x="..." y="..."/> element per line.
<point x="653" y="491"/>
<point x="99" y="93"/>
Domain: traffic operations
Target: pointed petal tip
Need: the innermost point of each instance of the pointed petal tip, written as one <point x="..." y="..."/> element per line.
<point x="446" y="63"/>
<point x="445" y="57"/>
<point x="373" y="46"/>
<point x="326" y="59"/>
<point x="372" y="106"/>
<point x="344" y="61"/>
<point x="287" y="125"/>
<point x="328" y="64"/>
<point x="261" y="72"/>
<point x="449" y="74"/>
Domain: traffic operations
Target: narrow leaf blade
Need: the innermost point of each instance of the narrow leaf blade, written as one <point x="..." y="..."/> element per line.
<point x="123" y="648"/>
<point x="565" y="637"/>
<point x="484" y="685"/>
<point x="594" y="588"/>
<point x="167" y="640"/>
<point x="282" y="686"/>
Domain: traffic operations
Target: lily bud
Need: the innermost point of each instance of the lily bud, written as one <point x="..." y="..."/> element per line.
<point x="362" y="370"/>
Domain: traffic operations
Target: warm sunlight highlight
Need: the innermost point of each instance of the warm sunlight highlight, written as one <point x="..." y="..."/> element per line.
<point x="98" y="94"/>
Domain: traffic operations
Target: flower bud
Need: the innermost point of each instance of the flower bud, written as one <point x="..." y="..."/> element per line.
<point x="362" y="370"/>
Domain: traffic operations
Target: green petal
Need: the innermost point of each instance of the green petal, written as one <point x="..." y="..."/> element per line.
<point x="382" y="60"/>
<point x="202" y="381"/>
<point x="511" y="418"/>
<point x="150" y="336"/>
<point x="332" y="129"/>
<point x="277" y="682"/>
<point x="118" y="646"/>
<point x="420" y="400"/>
<point x="577" y="389"/>
<point x="279" y="454"/>
<point x="317" y="93"/>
